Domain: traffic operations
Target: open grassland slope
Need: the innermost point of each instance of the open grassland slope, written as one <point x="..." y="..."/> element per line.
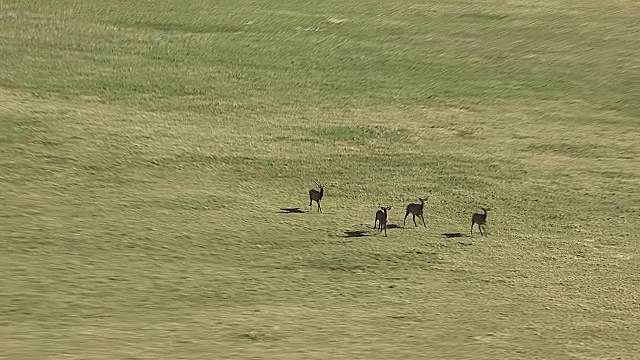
<point x="147" y="150"/>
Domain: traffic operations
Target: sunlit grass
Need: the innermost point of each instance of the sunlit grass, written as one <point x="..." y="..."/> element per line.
<point x="147" y="149"/>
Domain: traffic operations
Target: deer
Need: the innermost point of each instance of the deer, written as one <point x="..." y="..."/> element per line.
<point x="315" y="195"/>
<point x="415" y="210"/>
<point x="481" y="220"/>
<point x="381" y="219"/>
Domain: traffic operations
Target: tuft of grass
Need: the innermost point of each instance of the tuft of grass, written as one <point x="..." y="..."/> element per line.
<point x="10" y="130"/>
<point x="483" y="16"/>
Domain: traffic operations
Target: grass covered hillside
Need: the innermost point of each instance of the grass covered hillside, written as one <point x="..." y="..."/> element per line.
<point x="147" y="149"/>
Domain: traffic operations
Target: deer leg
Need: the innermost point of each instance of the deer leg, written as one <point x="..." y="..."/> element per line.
<point x="404" y="222"/>
<point x="319" y="208"/>
<point x="472" y="223"/>
<point x="414" y="220"/>
<point x="385" y="230"/>
<point x="480" y="228"/>
<point x="422" y="217"/>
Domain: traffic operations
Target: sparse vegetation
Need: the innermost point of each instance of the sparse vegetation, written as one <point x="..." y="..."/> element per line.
<point x="136" y="136"/>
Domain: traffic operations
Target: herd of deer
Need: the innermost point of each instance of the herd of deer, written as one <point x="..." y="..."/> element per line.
<point x="380" y="222"/>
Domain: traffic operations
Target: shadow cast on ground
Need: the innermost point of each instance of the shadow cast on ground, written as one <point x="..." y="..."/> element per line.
<point x="291" y="211"/>
<point x="454" y="235"/>
<point x="355" y="233"/>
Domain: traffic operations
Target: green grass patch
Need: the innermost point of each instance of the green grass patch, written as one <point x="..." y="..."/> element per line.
<point x="11" y="130"/>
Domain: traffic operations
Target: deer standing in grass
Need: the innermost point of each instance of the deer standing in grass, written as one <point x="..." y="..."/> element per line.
<point x="415" y="210"/>
<point x="315" y="195"/>
<point x="481" y="220"/>
<point x="381" y="219"/>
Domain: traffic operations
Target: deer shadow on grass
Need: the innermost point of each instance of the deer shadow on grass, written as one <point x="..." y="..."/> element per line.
<point x="291" y="211"/>
<point x="356" y="233"/>
<point x="458" y="235"/>
<point x="454" y="235"/>
<point x="367" y="232"/>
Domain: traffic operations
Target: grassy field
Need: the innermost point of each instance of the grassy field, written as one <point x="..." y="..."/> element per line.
<point x="148" y="147"/>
